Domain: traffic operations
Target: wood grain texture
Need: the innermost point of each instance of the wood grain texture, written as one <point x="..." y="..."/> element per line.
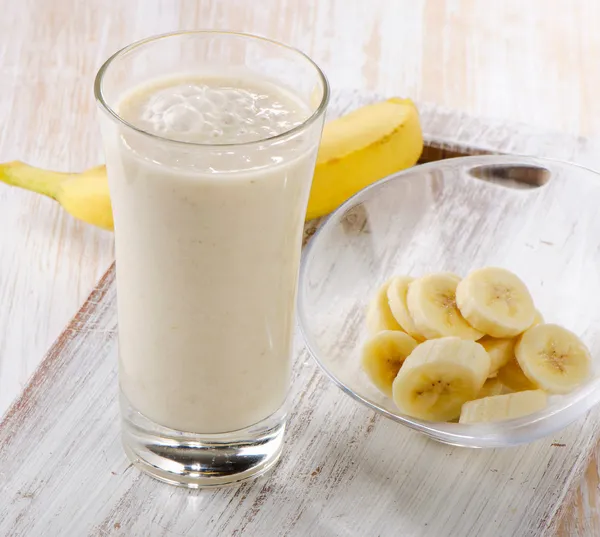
<point x="532" y="62"/>
<point x="64" y="472"/>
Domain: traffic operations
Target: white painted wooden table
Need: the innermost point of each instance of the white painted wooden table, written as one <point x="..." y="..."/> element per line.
<point x="533" y="62"/>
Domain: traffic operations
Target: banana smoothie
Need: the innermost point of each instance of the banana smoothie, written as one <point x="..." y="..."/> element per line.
<point x="208" y="238"/>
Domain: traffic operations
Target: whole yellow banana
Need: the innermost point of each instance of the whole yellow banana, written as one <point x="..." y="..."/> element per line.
<point x="84" y="195"/>
<point x="356" y="150"/>
<point x="362" y="147"/>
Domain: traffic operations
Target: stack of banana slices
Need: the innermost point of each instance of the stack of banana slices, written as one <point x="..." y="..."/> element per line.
<point x="475" y="349"/>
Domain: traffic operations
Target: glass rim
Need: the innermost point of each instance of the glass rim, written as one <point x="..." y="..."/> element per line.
<point x="103" y="104"/>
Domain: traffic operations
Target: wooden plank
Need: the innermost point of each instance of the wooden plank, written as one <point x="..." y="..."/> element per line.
<point x="63" y="471"/>
<point x="49" y="262"/>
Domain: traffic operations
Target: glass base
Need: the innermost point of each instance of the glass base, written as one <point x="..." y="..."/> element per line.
<point x="201" y="460"/>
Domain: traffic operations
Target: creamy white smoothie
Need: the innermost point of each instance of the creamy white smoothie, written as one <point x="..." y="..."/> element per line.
<point x="207" y="246"/>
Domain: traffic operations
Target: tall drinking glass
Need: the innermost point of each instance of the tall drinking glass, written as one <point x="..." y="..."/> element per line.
<point x="210" y="140"/>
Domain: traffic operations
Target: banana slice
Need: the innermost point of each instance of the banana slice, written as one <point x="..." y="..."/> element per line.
<point x="537" y="318"/>
<point x="503" y="407"/>
<point x="431" y="302"/>
<point x="491" y="387"/>
<point x="512" y="376"/>
<point x="379" y="315"/>
<point x="383" y="356"/>
<point x="496" y="302"/>
<point x="501" y="351"/>
<point x="396" y="293"/>
<point x="439" y="376"/>
<point x="553" y="357"/>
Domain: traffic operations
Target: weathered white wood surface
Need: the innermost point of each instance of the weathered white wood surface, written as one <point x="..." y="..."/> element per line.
<point x="533" y="62"/>
<point x="64" y="473"/>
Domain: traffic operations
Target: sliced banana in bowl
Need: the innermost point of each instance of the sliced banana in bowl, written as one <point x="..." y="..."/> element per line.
<point x="397" y="292"/>
<point x="503" y="407"/>
<point x="439" y="376"/>
<point x="493" y="386"/>
<point x="553" y="358"/>
<point x="379" y="315"/>
<point x="512" y="376"/>
<point x="432" y="305"/>
<point x="472" y="350"/>
<point x="500" y="350"/>
<point x="383" y="355"/>
<point x="496" y="302"/>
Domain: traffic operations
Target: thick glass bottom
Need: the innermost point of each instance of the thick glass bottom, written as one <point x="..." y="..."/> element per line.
<point x="201" y="460"/>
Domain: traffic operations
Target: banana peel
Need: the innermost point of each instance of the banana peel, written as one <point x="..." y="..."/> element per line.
<point x="356" y="150"/>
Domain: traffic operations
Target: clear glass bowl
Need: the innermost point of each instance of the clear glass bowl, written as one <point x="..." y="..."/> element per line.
<point x="537" y="217"/>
